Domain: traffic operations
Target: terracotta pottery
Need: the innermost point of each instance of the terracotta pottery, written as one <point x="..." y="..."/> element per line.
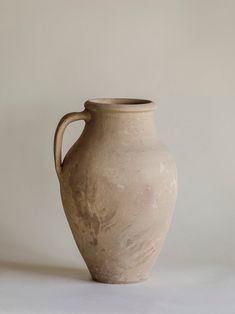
<point x="118" y="186"/>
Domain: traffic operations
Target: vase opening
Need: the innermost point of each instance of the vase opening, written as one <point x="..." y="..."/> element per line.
<point x="120" y="104"/>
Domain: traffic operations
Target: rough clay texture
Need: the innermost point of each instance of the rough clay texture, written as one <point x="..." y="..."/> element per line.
<point x="118" y="187"/>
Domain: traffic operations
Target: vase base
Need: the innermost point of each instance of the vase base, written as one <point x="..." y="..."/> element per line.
<point x="119" y="282"/>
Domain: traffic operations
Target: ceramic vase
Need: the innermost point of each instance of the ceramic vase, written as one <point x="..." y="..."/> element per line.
<point x="118" y="186"/>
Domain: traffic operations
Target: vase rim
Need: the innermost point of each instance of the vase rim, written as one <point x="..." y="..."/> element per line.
<point x="120" y="104"/>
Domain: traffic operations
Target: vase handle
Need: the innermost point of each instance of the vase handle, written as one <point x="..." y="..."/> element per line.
<point x="58" y="138"/>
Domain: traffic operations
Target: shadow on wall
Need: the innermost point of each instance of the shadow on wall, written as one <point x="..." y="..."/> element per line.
<point x="30" y="209"/>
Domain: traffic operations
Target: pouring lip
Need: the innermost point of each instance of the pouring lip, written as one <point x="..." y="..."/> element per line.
<point x="120" y="104"/>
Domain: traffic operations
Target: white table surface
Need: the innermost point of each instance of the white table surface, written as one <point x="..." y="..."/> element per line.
<point x="28" y="289"/>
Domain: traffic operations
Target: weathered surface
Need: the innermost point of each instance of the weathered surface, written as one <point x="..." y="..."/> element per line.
<point x="118" y="187"/>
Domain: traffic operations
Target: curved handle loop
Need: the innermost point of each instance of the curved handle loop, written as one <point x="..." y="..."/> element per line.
<point x="58" y="138"/>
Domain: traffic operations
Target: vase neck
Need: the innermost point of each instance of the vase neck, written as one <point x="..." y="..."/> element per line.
<point x="123" y="126"/>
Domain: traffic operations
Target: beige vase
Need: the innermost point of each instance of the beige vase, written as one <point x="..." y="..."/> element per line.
<point x="118" y="186"/>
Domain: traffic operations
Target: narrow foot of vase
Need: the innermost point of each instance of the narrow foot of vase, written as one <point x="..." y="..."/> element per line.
<point x="114" y="281"/>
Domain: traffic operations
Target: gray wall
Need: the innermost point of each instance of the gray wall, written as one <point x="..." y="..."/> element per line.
<point x="55" y="54"/>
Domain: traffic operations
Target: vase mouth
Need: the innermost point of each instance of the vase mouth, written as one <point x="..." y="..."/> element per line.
<point x="120" y="104"/>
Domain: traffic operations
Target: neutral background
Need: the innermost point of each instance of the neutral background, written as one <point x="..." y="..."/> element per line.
<point x="55" y="54"/>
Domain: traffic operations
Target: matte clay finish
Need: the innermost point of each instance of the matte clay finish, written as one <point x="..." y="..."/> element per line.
<point x="118" y="186"/>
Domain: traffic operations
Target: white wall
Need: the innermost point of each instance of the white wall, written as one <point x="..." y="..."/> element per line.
<point x="55" y="54"/>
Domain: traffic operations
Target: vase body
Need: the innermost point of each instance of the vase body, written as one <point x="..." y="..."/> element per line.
<point x="118" y="185"/>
